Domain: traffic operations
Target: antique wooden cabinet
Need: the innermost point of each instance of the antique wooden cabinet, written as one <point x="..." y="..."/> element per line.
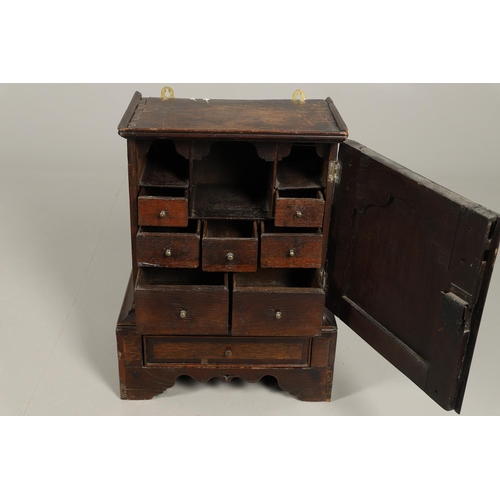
<point x="254" y="223"/>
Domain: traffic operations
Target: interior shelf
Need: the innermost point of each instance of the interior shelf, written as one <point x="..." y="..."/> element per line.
<point x="232" y="182"/>
<point x="302" y="168"/>
<point x="165" y="167"/>
<point x="219" y="201"/>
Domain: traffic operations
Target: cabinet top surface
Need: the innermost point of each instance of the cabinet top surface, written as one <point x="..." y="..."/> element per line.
<point x="314" y="119"/>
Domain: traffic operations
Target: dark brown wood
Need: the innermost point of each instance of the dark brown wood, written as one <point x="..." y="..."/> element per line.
<point x="135" y="166"/>
<point x="403" y="262"/>
<point x="165" y="167"/>
<point x="139" y="380"/>
<point x="302" y="168"/>
<point x="299" y="208"/>
<point x="277" y="302"/>
<point x="399" y="244"/>
<point x="231" y="181"/>
<point x="169" y="247"/>
<point x="162" y="207"/>
<point x="231" y="119"/>
<point x="181" y="302"/>
<point x="230" y="246"/>
<point x="336" y="115"/>
<point x="129" y="112"/>
<point x="290" y="247"/>
<point x="228" y="352"/>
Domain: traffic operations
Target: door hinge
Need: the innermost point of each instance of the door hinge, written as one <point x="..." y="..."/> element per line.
<point x="334" y="171"/>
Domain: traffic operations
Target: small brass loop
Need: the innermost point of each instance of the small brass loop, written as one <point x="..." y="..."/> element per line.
<point x="298" y="214"/>
<point x="162" y="214"/>
<point x="228" y="353"/>
<point x="298" y="93"/>
<point x="278" y="315"/>
<point x="168" y="252"/>
<point x="164" y="93"/>
<point x="291" y="253"/>
<point x="183" y="314"/>
<point x="230" y="256"/>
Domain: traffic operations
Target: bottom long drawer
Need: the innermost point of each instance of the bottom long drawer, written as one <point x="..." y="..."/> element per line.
<point x="217" y="351"/>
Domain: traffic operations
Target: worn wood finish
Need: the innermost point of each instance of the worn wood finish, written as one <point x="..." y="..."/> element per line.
<point x="157" y="207"/>
<point x="305" y="384"/>
<point x="169" y="247"/>
<point x="277" y="302"/>
<point x="230" y="246"/>
<point x="299" y="208"/>
<point x="302" y="168"/>
<point x="283" y="248"/>
<point x="232" y="181"/>
<point x="181" y="302"/>
<point x="232" y="119"/>
<point x="139" y="381"/>
<point x="165" y="167"/>
<point x="403" y="262"/>
<point x="229" y="352"/>
<point x="400" y="293"/>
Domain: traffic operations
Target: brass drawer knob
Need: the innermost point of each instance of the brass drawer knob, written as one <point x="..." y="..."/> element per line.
<point x="162" y="214"/>
<point x="168" y="252"/>
<point x="278" y="315"/>
<point x="183" y="314"/>
<point x="291" y="253"/>
<point x="230" y="256"/>
<point x="298" y="214"/>
<point x="228" y="353"/>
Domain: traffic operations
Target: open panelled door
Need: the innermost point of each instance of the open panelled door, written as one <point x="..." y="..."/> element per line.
<point x="409" y="264"/>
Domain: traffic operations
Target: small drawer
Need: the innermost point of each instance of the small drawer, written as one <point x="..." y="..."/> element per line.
<point x="278" y="302"/>
<point x="162" y="207"/>
<point x="169" y="247"/>
<point x="299" y="208"/>
<point x="181" y="302"/>
<point x="290" y="247"/>
<point x="229" y="245"/>
<point x="288" y="352"/>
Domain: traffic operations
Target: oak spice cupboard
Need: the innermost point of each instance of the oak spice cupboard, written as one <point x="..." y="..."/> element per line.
<point x="255" y="222"/>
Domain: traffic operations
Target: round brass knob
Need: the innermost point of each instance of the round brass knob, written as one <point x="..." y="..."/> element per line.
<point x="230" y="256"/>
<point x="162" y="214"/>
<point x="278" y="315"/>
<point x="291" y="253"/>
<point x="183" y="314"/>
<point x="298" y="214"/>
<point x="168" y="252"/>
<point x="228" y="353"/>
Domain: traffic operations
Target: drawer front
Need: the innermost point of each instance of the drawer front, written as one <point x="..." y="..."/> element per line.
<point x="231" y="255"/>
<point x="186" y="310"/>
<point x="214" y="351"/>
<point x="299" y="212"/>
<point x="168" y="250"/>
<point x="162" y="211"/>
<point x="291" y="250"/>
<point x="277" y="312"/>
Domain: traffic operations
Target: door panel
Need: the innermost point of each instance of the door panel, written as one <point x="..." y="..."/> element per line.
<point x="408" y="268"/>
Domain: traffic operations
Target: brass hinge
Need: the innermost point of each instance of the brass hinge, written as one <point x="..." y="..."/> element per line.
<point x="334" y="172"/>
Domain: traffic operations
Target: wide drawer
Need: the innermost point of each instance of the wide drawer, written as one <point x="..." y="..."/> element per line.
<point x="287" y="352"/>
<point x="169" y="247"/>
<point x="278" y="302"/>
<point x="290" y="247"/>
<point x="162" y="207"/>
<point x="181" y="302"/>
<point x="299" y="208"/>
<point x="230" y="246"/>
